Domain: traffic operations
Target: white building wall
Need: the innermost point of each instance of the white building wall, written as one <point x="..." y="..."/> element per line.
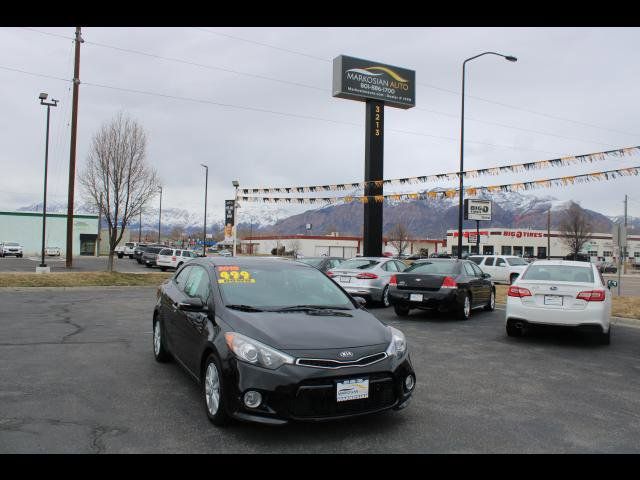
<point x="309" y="247"/>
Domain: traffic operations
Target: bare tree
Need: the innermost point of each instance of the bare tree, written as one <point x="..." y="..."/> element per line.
<point x="575" y="228"/>
<point x="399" y="237"/>
<point x="116" y="170"/>
<point x="294" y="247"/>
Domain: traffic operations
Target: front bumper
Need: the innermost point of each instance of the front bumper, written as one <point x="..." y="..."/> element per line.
<point x="297" y="393"/>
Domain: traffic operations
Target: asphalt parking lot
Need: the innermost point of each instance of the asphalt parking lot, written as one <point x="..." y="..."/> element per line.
<point x="78" y="375"/>
<point x="80" y="264"/>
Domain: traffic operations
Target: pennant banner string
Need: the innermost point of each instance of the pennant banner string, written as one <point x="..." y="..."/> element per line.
<point x="453" y="192"/>
<point x="556" y="162"/>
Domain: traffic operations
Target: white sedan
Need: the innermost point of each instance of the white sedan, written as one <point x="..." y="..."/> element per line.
<point x="52" y="251"/>
<point x="560" y="293"/>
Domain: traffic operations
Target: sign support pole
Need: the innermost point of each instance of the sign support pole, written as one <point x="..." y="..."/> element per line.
<point x="373" y="170"/>
<point x="478" y="236"/>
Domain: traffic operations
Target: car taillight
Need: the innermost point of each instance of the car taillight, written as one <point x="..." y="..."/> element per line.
<point x="330" y="274"/>
<point x="592" y="295"/>
<point x="449" y="282"/>
<point x="393" y="281"/>
<point x="518" y="292"/>
<point x="173" y="259"/>
<point x="369" y="276"/>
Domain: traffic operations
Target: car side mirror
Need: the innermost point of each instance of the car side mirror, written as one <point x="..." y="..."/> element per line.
<point x="486" y="275"/>
<point x="612" y="283"/>
<point x="360" y="301"/>
<point x="192" y="305"/>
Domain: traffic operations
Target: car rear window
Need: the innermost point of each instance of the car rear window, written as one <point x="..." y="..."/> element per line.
<point x="128" y="244"/>
<point x="559" y="273"/>
<point x="359" y="264"/>
<point x="155" y="249"/>
<point x="476" y="260"/>
<point x="436" y="268"/>
<point x="165" y="251"/>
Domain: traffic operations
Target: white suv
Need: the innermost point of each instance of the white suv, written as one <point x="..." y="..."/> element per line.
<point x="502" y="268"/>
<point x="10" y="248"/>
<point x="173" y="258"/>
<point x="126" y="249"/>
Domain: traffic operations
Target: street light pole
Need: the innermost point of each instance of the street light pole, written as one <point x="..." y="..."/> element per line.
<point x="206" y="187"/>
<point x="160" y="214"/>
<point x="236" y="184"/>
<point x="461" y="173"/>
<point x="53" y="103"/>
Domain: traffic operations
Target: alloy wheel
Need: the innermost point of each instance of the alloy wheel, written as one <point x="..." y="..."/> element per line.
<point x="467" y="307"/>
<point x="156" y="338"/>
<point x="212" y="388"/>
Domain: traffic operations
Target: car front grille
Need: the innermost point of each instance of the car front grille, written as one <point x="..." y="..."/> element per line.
<point x="317" y="399"/>
<point x="328" y="363"/>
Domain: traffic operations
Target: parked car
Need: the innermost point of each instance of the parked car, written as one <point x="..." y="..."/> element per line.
<point x="150" y="255"/>
<point x="560" y="293"/>
<point x="502" y="268"/>
<point x="139" y="251"/>
<point x="10" y="249"/>
<point x="126" y="250"/>
<point x="367" y="277"/>
<point x="53" y="251"/>
<point x="173" y="258"/>
<point x="225" y="253"/>
<point x="272" y="342"/>
<point x="323" y="264"/>
<point x="608" y="267"/>
<point x="447" y="285"/>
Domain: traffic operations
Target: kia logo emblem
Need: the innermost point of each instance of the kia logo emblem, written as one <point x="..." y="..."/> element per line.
<point x="345" y="354"/>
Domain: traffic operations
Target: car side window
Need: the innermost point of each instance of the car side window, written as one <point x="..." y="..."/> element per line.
<point x="401" y="266"/>
<point x="390" y="267"/>
<point x="178" y="253"/>
<point x="198" y="284"/>
<point x="182" y="277"/>
<point x="489" y="262"/>
<point x="468" y="270"/>
<point x="501" y="263"/>
<point x="478" y="272"/>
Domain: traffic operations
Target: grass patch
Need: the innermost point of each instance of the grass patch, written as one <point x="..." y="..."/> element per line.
<point x="628" y="307"/>
<point x="82" y="279"/>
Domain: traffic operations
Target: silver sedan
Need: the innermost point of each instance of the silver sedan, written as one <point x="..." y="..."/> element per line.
<point x="367" y="277"/>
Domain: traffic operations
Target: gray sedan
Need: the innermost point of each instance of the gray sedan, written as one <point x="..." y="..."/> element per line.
<point x="367" y="277"/>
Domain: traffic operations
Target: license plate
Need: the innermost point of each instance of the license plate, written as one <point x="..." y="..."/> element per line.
<point x="552" y="300"/>
<point x="355" y="389"/>
<point x="415" y="297"/>
<point x="345" y="279"/>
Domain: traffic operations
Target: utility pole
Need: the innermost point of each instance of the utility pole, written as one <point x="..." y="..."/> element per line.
<point x="72" y="151"/>
<point x="549" y="233"/>
<point x="99" y="224"/>
<point x="160" y="215"/>
<point x="624" y="258"/>
<point x="140" y="227"/>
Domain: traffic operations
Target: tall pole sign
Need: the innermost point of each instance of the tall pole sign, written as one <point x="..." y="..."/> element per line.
<point x="377" y="85"/>
<point x="478" y="210"/>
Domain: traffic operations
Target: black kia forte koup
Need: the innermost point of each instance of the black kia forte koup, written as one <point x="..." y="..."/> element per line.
<point x="272" y="341"/>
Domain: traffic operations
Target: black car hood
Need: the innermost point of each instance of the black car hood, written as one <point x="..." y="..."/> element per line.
<point x="300" y="331"/>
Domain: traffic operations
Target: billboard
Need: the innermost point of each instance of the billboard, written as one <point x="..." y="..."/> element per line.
<point x="358" y="79"/>
<point x="477" y="209"/>
<point x="229" y="220"/>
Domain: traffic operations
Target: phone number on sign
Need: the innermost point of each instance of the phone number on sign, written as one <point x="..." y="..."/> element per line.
<point x="377" y="88"/>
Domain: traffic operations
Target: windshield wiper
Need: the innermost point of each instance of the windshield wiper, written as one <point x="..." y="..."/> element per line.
<point x="244" y="308"/>
<point x="296" y="308"/>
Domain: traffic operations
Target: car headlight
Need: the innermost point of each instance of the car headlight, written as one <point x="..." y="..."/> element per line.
<point x="398" y="345"/>
<point x="256" y="353"/>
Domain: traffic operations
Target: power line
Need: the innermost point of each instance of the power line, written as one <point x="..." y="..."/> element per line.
<point x="34" y="74"/>
<point x="313" y="87"/>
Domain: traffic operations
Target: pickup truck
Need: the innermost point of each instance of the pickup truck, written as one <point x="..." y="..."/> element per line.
<point x="126" y="249"/>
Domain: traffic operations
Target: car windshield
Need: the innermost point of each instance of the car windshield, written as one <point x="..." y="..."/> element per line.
<point x="278" y="285"/>
<point x="436" y="268"/>
<point x="165" y="251"/>
<point x="516" y="261"/>
<point x="12" y="244"/>
<point x="559" y="273"/>
<point x="358" y="264"/>
<point x="476" y="260"/>
<point x="153" y="249"/>
<point x="314" y="262"/>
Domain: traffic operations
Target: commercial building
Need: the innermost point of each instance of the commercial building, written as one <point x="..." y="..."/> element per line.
<point x="332" y="245"/>
<point x="26" y="229"/>
<point x="533" y="243"/>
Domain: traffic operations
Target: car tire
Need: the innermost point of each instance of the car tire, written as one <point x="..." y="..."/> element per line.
<point x="212" y="380"/>
<point x="512" y="330"/>
<point x="491" y="306"/>
<point x="384" y="298"/>
<point x="160" y="351"/>
<point x="130" y="257"/>
<point x="120" y="255"/>
<point x="463" y="311"/>
<point x="605" y="338"/>
<point x="148" y="265"/>
<point x="401" y="310"/>
<point x="513" y="278"/>
<point x="164" y="269"/>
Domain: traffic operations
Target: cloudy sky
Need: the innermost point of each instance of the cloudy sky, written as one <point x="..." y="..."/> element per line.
<point x="255" y="105"/>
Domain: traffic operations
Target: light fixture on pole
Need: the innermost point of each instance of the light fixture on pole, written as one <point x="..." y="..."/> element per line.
<point x="236" y="184"/>
<point x="160" y="214"/>
<point x="43" y="96"/>
<point x="206" y="186"/>
<point x="461" y="173"/>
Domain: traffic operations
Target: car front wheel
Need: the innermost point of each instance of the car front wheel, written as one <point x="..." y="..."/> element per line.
<point x="212" y="392"/>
